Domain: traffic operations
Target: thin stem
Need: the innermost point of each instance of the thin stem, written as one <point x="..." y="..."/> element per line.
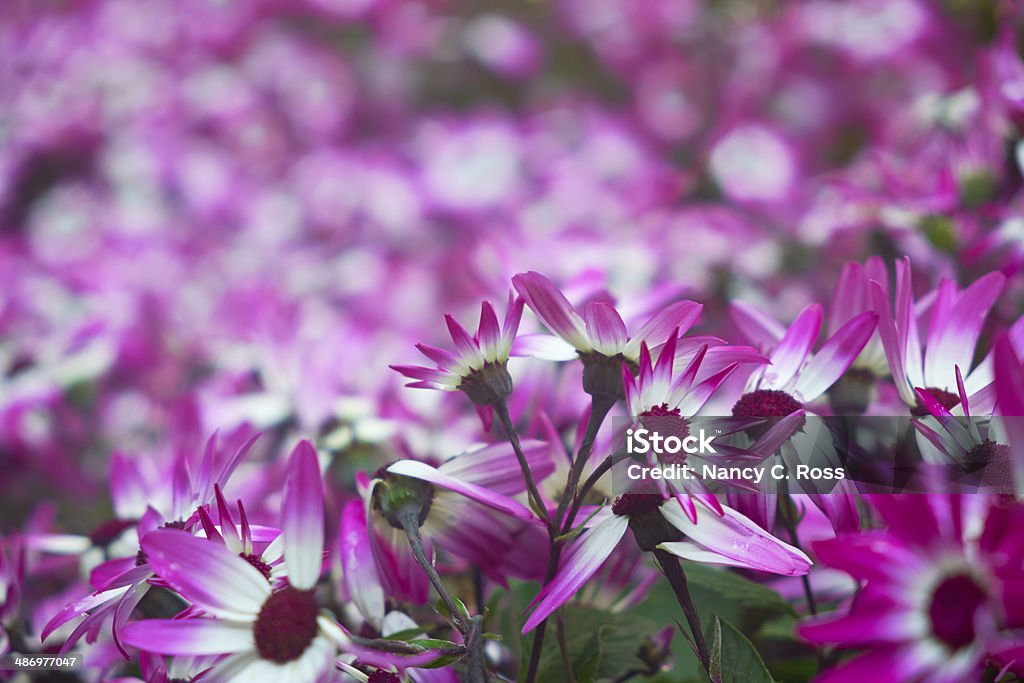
<point x="787" y="512"/>
<point x="563" y="648"/>
<point x="501" y="410"/>
<point x="411" y="526"/>
<point x="677" y="579"/>
<point x="536" y="645"/>
<point x="599" y="407"/>
<point x="478" y="588"/>
<point x="475" y="666"/>
<point x="591" y="481"/>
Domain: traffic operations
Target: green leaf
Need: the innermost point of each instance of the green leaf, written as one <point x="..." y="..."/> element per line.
<point x="729" y="587"/>
<point x="435" y="644"/>
<point x="716" y="652"/>
<point x="781" y="628"/>
<point x="738" y="660"/>
<point x="407" y="634"/>
<point x="586" y="667"/>
<point x="601" y="644"/>
<point x="442" y="608"/>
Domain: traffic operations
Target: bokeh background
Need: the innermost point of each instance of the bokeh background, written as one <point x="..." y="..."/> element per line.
<point x="216" y="214"/>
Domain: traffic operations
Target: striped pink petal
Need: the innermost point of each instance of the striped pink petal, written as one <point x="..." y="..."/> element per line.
<point x="444" y="359"/>
<point x="495" y="467"/>
<point x="488" y="333"/>
<point x="553" y="309"/>
<point x="959" y="334"/>
<point x="678" y="317"/>
<point x="487" y="497"/>
<point x="188" y="636"/>
<point x="586" y="556"/>
<point x="510" y="326"/>
<point x="836" y="356"/>
<point x="757" y="326"/>
<point x="206" y="573"/>
<point x="737" y="541"/>
<point x="605" y="328"/>
<point x="302" y="518"/>
<point x="359" y="572"/>
<point x="544" y="347"/>
<point x="895" y="351"/>
<point x="467" y="347"/>
<point x="792" y="350"/>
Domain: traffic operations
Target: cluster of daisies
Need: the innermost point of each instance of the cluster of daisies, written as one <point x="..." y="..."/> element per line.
<point x="188" y="583"/>
<point x="793" y="225"/>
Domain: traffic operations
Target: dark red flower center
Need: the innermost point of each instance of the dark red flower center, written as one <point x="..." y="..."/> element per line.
<point x="766" y="403"/>
<point x="660" y="411"/>
<point x="383" y="677"/>
<point x="637" y="504"/>
<point x="954" y="603"/>
<point x="286" y="625"/>
<point x="666" y="422"/>
<point x="947" y="399"/>
<point x="257" y="561"/>
<point x="986" y="453"/>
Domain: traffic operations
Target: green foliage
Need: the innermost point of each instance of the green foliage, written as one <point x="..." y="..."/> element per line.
<point x="600" y="644"/>
<point x="734" y="658"/>
<point x="603" y="645"/>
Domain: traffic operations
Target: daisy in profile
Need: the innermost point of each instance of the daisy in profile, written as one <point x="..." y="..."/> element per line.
<point x="665" y="401"/>
<point x="466" y="506"/>
<point x="261" y="629"/>
<point x="598" y="337"/>
<point x="479" y="365"/>
<point x="928" y="358"/>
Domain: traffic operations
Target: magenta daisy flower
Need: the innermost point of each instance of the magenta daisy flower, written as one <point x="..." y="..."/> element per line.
<point x="852" y="297"/>
<point x="719" y="535"/>
<point x="658" y="390"/>
<point x="1009" y="389"/>
<point x="479" y="365"/>
<point x="467" y="508"/>
<point x="973" y="444"/>
<point x="143" y="503"/>
<point x="261" y="628"/>
<point x="954" y="322"/>
<point x="666" y="402"/>
<point x="795" y="376"/>
<point x="938" y="586"/>
<point x="599" y="337"/>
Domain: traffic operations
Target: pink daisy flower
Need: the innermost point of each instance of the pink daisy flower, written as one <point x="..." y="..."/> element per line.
<point x="467" y="507"/>
<point x="795" y="376"/>
<point x="259" y="627"/>
<point x="479" y="365"/>
<point x="139" y="496"/>
<point x="937" y="587"/>
<point x="599" y="337"/>
<point x="954" y="319"/>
